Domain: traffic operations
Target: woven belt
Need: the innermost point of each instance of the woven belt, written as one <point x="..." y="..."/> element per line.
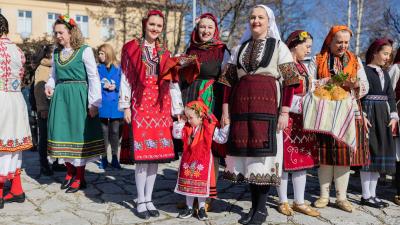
<point x="376" y="97"/>
<point x="71" y="81"/>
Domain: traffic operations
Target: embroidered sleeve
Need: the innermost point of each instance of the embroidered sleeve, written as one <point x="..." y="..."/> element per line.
<point x="229" y="76"/>
<point x="289" y="74"/>
<point x="176" y="99"/>
<point x="177" y="130"/>
<point x="363" y="81"/>
<point x="221" y="135"/>
<point x="124" y="93"/>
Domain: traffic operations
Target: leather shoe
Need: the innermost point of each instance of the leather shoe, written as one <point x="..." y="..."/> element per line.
<point x="259" y="217"/>
<point x="1" y="203"/>
<point x="370" y="202"/>
<point x="247" y="217"/>
<point x="154" y="213"/>
<point x="82" y="185"/>
<point x="66" y="184"/>
<point x="16" y="198"/>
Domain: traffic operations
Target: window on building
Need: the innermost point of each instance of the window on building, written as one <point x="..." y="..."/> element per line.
<point x="51" y="19"/>
<point x="107" y="28"/>
<point x="83" y="24"/>
<point x="24" y="22"/>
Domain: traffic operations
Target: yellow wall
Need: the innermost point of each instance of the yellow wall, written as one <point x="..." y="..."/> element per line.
<point x="40" y="8"/>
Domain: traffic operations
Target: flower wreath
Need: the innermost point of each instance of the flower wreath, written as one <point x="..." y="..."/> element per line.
<point x="68" y="21"/>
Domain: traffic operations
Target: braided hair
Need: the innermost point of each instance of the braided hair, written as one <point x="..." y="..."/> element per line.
<point x="3" y="25"/>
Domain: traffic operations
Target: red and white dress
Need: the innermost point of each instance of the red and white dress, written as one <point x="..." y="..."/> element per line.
<point x="15" y="134"/>
<point x="196" y="167"/>
<point x="299" y="147"/>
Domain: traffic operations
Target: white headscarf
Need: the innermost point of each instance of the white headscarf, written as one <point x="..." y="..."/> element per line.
<point x="272" y="27"/>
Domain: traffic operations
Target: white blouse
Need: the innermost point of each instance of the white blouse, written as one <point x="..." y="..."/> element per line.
<point x="94" y="95"/>
<point x="394" y="73"/>
<point x="220" y="135"/>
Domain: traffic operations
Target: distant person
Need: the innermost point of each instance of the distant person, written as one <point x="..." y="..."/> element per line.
<point x="110" y="116"/>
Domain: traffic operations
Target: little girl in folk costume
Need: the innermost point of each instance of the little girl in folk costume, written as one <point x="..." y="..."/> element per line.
<point x="195" y="168"/>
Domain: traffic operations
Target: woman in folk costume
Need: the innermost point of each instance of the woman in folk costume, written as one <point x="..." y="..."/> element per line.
<point x="15" y="134"/>
<point x="195" y="170"/>
<point x="299" y="148"/>
<point x="209" y="51"/>
<point x="146" y="101"/>
<point x="382" y="122"/>
<point x="394" y="73"/>
<point x="110" y="116"/>
<point x="336" y="157"/>
<point x="256" y="70"/>
<point x="74" y="131"/>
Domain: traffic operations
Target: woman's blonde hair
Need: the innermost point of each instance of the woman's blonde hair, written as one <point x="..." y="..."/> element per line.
<point x="76" y="40"/>
<point x="111" y="58"/>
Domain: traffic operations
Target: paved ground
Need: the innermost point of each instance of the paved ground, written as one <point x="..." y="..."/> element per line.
<point x="109" y="197"/>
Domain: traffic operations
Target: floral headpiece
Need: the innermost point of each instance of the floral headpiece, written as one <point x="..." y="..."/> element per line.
<point x="303" y="35"/>
<point x="68" y="21"/>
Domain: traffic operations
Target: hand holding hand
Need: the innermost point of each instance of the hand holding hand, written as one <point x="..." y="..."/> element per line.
<point x="127" y="115"/>
<point x="49" y="92"/>
<point x="93" y="110"/>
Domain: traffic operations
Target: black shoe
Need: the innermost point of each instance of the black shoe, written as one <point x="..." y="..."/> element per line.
<point x="201" y="214"/>
<point x="259" y="217"/>
<point x="16" y="198"/>
<point x="145" y="215"/>
<point x="153" y="213"/>
<point x="66" y="184"/>
<point x="186" y="213"/>
<point x="380" y="202"/>
<point x="82" y="185"/>
<point x="59" y="167"/>
<point x="1" y="203"/>
<point x="247" y="217"/>
<point x="371" y="202"/>
<point x="46" y="171"/>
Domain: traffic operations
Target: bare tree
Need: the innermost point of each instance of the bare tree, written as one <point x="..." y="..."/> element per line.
<point x="392" y="20"/>
<point x="360" y="6"/>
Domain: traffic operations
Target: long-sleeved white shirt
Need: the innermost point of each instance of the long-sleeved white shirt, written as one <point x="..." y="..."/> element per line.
<point x="220" y="135"/>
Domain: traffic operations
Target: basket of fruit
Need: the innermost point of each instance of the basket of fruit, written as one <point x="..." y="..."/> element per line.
<point x="329" y="110"/>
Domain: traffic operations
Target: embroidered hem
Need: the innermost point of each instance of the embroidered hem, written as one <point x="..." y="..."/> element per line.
<point x="259" y="179"/>
<point x="16" y="145"/>
<point x="75" y="150"/>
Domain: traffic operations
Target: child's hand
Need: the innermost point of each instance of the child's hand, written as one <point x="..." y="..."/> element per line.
<point x="181" y="118"/>
<point x="225" y="121"/>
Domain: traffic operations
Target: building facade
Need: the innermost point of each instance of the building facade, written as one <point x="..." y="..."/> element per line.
<point x="100" y="21"/>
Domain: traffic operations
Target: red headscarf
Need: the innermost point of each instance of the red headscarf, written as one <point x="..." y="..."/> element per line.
<point x="146" y="18"/>
<point x="323" y="57"/>
<point x="211" y="50"/>
<point x="214" y="41"/>
<point x="376" y="47"/>
<point x="132" y="63"/>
